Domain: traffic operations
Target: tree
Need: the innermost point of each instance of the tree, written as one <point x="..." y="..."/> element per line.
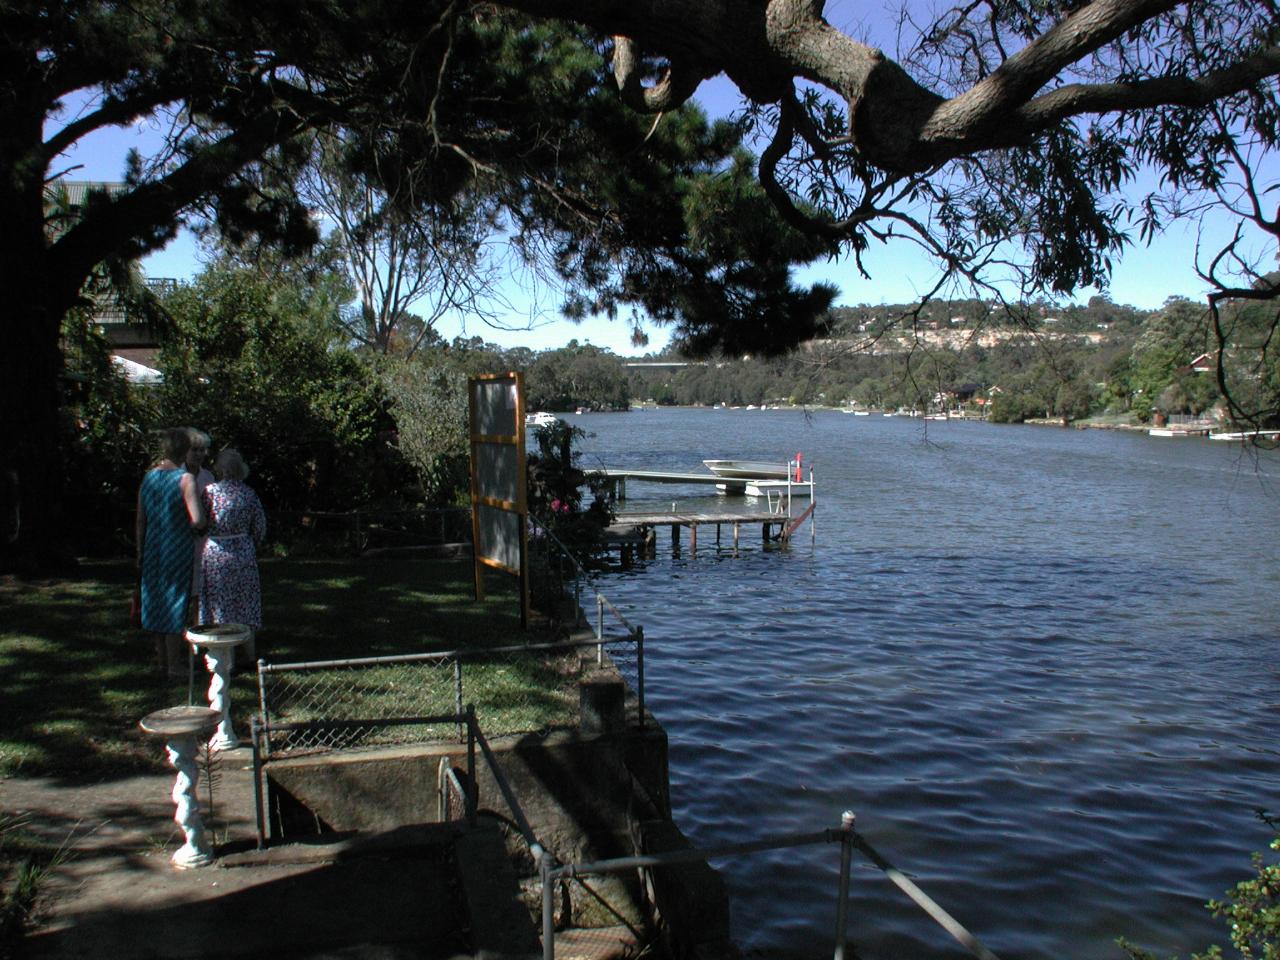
<point x="428" y="394"/>
<point x="577" y="376"/>
<point x="1073" y="401"/>
<point x="400" y="254"/>
<point x="257" y="360"/>
<point x="1168" y="343"/>
<point x="473" y="101"/>
<point x="1018" y="121"/>
<point x="108" y="418"/>
<point x="1062" y="98"/>
<point x="220" y="78"/>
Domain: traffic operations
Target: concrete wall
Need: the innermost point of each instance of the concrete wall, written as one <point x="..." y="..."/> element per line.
<point x="588" y="794"/>
<point x="578" y="791"/>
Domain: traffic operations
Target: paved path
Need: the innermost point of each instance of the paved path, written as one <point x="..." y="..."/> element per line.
<point x="117" y="896"/>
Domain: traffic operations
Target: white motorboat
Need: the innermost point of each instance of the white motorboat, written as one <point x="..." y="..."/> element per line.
<point x="539" y="419"/>
<point x="1245" y="436"/>
<point x="747" y="469"/>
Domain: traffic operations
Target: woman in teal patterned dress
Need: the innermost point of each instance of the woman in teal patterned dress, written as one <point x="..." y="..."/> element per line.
<point x="169" y="510"/>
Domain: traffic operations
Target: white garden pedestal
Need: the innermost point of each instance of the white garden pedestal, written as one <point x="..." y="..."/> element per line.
<point x="219" y="643"/>
<point x="182" y="728"/>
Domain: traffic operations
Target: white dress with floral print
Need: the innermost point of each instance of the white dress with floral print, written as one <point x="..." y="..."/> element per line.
<point x="237" y="523"/>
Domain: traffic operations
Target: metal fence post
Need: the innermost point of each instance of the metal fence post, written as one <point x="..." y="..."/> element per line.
<point x="813" y="515"/>
<point x="473" y="786"/>
<point x="457" y="690"/>
<point x="548" y="908"/>
<point x="640" y="674"/>
<point x="842" y="901"/>
<point x="259" y="812"/>
<point x="262" y="707"/>
<point x="599" y="630"/>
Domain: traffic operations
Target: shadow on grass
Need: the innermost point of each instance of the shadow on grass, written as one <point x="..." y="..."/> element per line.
<point x="380" y="606"/>
<point x="75" y="678"/>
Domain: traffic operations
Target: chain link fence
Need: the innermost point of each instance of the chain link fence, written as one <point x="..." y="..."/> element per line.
<point x="515" y="689"/>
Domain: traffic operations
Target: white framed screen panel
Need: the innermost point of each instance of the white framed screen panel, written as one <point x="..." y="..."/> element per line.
<point x="499" y="505"/>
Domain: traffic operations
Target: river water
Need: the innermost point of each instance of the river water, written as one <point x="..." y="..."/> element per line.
<point x="1041" y="665"/>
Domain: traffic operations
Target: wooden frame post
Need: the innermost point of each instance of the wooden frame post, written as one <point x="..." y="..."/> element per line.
<point x="499" y="497"/>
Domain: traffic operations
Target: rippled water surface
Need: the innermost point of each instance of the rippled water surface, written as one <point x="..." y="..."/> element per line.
<point x="1042" y="666"/>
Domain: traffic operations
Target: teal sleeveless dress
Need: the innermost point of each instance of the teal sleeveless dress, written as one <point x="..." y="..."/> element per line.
<point x="167" y="553"/>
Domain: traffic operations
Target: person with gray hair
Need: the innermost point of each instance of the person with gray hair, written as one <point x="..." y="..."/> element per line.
<point x="232" y="592"/>
<point x="197" y="454"/>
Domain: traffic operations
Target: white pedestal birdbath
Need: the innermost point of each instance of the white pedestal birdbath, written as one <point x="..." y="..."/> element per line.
<point x="218" y="643"/>
<point x="182" y="728"/>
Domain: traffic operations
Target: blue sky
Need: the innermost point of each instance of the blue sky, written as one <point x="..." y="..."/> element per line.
<point x="1145" y="277"/>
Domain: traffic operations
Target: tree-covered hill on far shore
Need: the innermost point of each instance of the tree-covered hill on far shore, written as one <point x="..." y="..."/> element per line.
<point x="1029" y="361"/>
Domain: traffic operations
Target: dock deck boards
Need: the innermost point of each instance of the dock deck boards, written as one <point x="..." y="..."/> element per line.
<point x="638" y="531"/>
<point x="661" y="518"/>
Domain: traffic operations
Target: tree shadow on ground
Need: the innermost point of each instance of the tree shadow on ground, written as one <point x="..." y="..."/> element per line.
<point x="404" y="900"/>
<point x="75" y="677"/>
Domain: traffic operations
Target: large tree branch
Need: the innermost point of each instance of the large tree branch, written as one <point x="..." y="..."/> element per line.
<point x="152" y="208"/>
<point x="1017" y="80"/>
<point x="677" y="86"/>
<point x="112" y="113"/>
<point x="896" y="123"/>
<point x="1077" y="99"/>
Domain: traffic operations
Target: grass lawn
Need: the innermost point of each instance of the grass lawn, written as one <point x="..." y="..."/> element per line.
<point x="75" y="678"/>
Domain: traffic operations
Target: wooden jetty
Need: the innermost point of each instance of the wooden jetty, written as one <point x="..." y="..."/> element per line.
<point x="637" y="532"/>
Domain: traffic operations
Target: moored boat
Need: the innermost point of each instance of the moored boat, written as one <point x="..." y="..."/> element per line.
<point x="539" y="419"/>
<point x="1246" y="435"/>
<point x="1178" y="432"/>
<point x="747" y="469"/>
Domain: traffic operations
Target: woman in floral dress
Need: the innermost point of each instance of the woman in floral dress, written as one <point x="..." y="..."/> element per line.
<point x="237" y="524"/>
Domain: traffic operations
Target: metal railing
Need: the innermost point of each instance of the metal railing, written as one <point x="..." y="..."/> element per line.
<point x="519" y="689"/>
<point x="565" y="558"/>
<point x="848" y="838"/>
<point x="321" y="731"/>
<point x="550" y="872"/>
<point x="553" y="546"/>
<point x="1189" y="420"/>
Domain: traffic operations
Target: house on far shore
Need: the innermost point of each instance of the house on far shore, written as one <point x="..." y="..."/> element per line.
<point x="128" y="332"/>
<point x="1205" y="363"/>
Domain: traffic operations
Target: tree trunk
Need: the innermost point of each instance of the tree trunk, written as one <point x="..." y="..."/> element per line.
<point x="32" y="483"/>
